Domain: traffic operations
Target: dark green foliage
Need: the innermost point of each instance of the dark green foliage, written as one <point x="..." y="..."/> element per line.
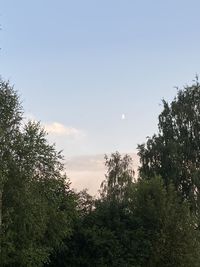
<point x="36" y="201"/>
<point x="165" y="230"/>
<point x="148" y="225"/>
<point x="119" y="177"/>
<point x="175" y="152"/>
<point x="141" y="223"/>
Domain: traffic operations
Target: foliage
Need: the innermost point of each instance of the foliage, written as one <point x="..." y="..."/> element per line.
<point x="165" y="230"/>
<point x="148" y="226"/>
<point x="119" y="176"/>
<point x="133" y="223"/>
<point x="175" y="152"/>
<point x="36" y="201"/>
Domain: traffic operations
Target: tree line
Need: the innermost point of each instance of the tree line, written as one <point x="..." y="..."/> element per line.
<point x="150" y="221"/>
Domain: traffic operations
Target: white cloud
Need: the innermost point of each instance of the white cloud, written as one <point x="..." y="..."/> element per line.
<point x="56" y="128"/>
<point x="59" y="129"/>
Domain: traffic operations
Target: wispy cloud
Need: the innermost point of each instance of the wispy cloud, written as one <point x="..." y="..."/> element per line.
<point x="60" y="129"/>
<point x="57" y="129"/>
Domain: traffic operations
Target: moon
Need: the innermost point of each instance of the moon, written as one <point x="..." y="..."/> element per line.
<point x="123" y="117"/>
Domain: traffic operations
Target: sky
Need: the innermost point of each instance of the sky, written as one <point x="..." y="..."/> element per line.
<point x="94" y="72"/>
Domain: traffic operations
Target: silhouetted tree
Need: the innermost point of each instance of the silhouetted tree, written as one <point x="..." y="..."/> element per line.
<point x="36" y="203"/>
<point x="174" y="153"/>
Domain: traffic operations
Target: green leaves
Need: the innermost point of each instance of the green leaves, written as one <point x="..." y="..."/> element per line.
<point x="119" y="176"/>
<point x="36" y="203"/>
<point x="168" y="227"/>
<point x="133" y="223"/>
<point x="148" y="225"/>
<point x="175" y="152"/>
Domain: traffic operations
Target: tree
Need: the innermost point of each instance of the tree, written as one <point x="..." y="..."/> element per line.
<point x="10" y="117"/>
<point x="100" y="224"/>
<point x="163" y="230"/>
<point x="37" y="203"/>
<point x="174" y="153"/>
<point x="148" y="225"/>
<point x="119" y="177"/>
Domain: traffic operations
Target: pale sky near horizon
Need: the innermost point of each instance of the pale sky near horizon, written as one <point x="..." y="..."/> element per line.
<point x="94" y="72"/>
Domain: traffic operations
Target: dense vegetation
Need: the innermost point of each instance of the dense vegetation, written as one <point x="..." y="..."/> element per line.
<point x="150" y="221"/>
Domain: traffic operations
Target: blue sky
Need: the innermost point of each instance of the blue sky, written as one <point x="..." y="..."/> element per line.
<point x="80" y="65"/>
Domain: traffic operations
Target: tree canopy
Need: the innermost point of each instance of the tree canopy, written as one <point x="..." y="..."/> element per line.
<point x="174" y="153"/>
<point x="150" y="221"/>
<point x="148" y="225"/>
<point x="35" y="198"/>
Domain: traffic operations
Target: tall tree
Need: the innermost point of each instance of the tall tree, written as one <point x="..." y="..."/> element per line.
<point x="10" y="117"/>
<point x="163" y="230"/>
<point x="119" y="176"/>
<point x="174" y="153"/>
<point x="37" y="203"/>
